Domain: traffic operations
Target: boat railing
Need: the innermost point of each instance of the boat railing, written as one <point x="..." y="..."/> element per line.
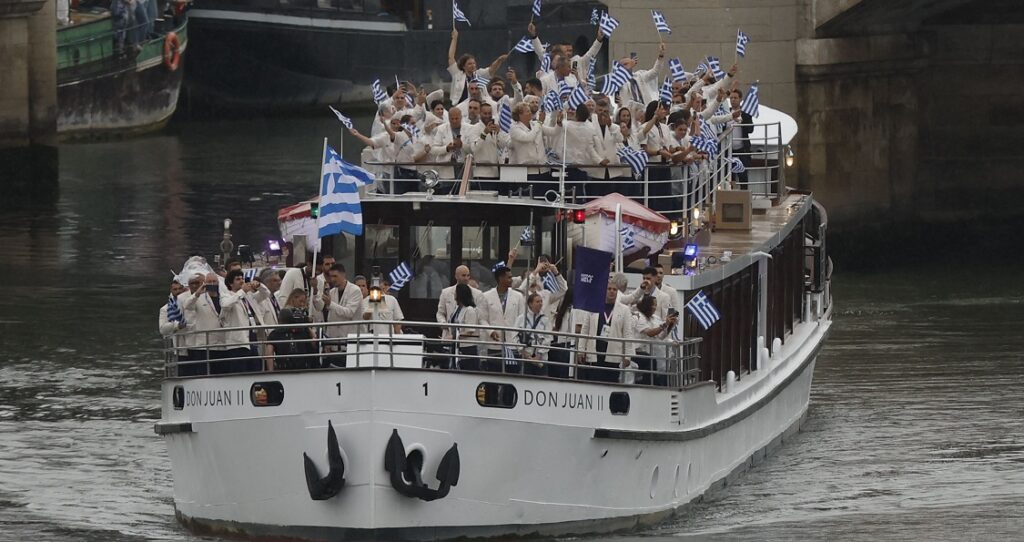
<point x="69" y="54"/>
<point x="432" y="345"/>
<point x="671" y="189"/>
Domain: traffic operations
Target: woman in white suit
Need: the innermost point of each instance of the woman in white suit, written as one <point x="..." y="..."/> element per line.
<point x="465" y="68"/>
<point x="526" y="141"/>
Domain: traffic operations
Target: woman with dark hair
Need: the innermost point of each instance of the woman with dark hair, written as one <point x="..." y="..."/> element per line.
<point x="464" y="69"/>
<point x="649" y="326"/>
<point x="533" y="337"/>
<point x="562" y="322"/>
<point x="654" y="138"/>
<point x="465" y="337"/>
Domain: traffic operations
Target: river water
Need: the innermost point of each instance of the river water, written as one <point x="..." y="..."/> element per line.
<point x="915" y="431"/>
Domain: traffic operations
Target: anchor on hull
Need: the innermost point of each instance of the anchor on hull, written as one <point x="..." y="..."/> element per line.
<point x="406" y="474"/>
<point x="321" y="489"/>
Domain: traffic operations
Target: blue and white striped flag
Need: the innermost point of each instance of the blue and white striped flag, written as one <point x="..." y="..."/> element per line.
<point x="505" y="118"/>
<point x="339" y="208"/>
<point x="619" y="76"/>
<point x="525" y="45"/>
<point x="250" y="274"/>
<point x="716" y="67"/>
<point x="706" y="144"/>
<point x="737" y="165"/>
<point x="705" y="127"/>
<point x="458" y="15"/>
<point x="659" y="22"/>
<point x="545" y="63"/>
<point x="675" y="67"/>
<point x="173" y="310"/>
<point x="552" y="157"/>
<point x="414" y="131"/>
<point x="536" y="8"/>
<point x="564" y="90"/>
<point x="595" y="16"/>
<point x="751" y="104"/>
<point x="551" y="102"/>
<point x="551" y="283"/>
<point x="608" y="24"/>
<point x="703" y="310"/>
<point x="498" y="265"/>
<point x="702" y="68"/>
<point x="410" y="102"/>
<point x="628" y="237"/>
<point x="591" y="78"/>
<point x="577" y="97"/>
<point x="637" y="160"/>
<point x="344" y="120"/>
<point x="480" y="80"/>
<point x="666" y="91"/>
<point x="400" y="276"/>
<point x="511" y="357"/>
<point x="741" y="43"/>
<point x="526" y="238"/>
<point x="378" y="93"/>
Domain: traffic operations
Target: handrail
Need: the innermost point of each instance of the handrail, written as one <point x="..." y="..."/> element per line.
<point x="453" y="349"/>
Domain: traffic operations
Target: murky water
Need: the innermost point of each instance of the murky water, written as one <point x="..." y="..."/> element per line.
<point x="914" y="433"/>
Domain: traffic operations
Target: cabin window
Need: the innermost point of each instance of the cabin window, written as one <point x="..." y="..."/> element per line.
<point x="496" y="395"/>
<point x="480" y="251"/>
<point x="380" y="246"/>
<point x="618" y="403"/>
<point x="264" y="394"/>
<point x="178" y="397"/>
<point x="432" y="266"/>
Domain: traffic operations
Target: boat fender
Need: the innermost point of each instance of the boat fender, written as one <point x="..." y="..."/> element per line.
<point x="172" y="51"/>
<point x="395" y="463"/>
<point x="321" y="489"/>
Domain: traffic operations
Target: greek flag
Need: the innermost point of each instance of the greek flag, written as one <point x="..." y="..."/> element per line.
<point x="577" y="97"/>
<point x="676" y="68"/>
<point x="413" y="130"/>
<point x="751" y="104"/>
<point x="545" y="63"/>
<point x="741" y="43"/>
<point x="595" y="16"/>
<point x="637" y="160"/>
<point x="344" y="120"/>
<point x="173" y="310"/>
<point x="339" y="209"/>
<point x="628" y="240"/>
<point x="659" y="22"/>
<point x="716" y="67"/>
<point x="564" y="90"/>
<point x="505" y="118"/>
<point x="608" y="24"/>
<point x="249" y="274"/>
<point x="400" y="276"/>
<point x="536" y="8"/>
<point x="378" y="93"/>
<point x="525" y="45"/>
<point x="551" y="102"/>
<point x="619" y="76"/>
<point x="737" y="165"/>
<point x="705" y="127"/>
<point x="702" y="68"/>
<point x="458" y="15"/>
<point x="666" y="91"/>
<point x="526" y="238"/>
<point x="591" y="78"/>
<point x="409" y="101"/>
<point x="705" y="144"/>
<point x="510" y="355"/>
<point x="480" y="80"/>
<point x="552" y="157"/>
<point x="551" y="283"/>
<point x="703" y="310"/>
<point x="497" y="266"/>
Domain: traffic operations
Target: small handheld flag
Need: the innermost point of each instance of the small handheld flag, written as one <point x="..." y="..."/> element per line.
<point x="526" y="238"/>
<point x="675" y="67"/>
<point x="705" y="144"/>
<point x="716" y="67"/>
<point x="339" y="209"/>
<point x="536" y="8"/>
<point x="344" y="120"/>
<point x="737" y="165"/>
<point x="564" y="90"/>
<point x="505" y="118"/>
<point x="666" y="91"/>
<point x="458" y="15"/>
<point x="703" y="310"/>
<point x="741" y="43"/>
<point x="378" y="93"/>
<point x="413" y="130"/>
<point x="595" y="16"/>
<point x="551" y="283"/>
<point x="525" y="45"/>
<point x="480" y="80"/>
<point x="577" y="97"/>
<point x="551" y="102"/>
<point x="545" y="63"/>
<point x="628" y="240"/>
<point x="608" y="24"/>
<point x="619" y="76"/>
<point x="751" y="104"/>
<point x="173" y="310"/>
<point x="637" y="160"/>
<point x="659" y="22"/>
<point x="702" y="68"/>
<point x="400" y="276"/>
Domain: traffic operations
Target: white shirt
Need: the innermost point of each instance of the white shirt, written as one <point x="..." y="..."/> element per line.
<point x="533" y="339"/>
<point x="388" y="309"/>
<point x="486" y="148"/>
<point x="526" y="144"/>
<point x="344" y="307"/>
<point x="459" y="80"/>
<point x="503" y="315"/>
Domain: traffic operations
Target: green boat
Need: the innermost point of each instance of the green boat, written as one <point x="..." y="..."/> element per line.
<point x="115" y="78"/>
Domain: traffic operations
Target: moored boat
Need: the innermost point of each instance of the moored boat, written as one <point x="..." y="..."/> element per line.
<point x="409" y="441"/>
<point x="116" y="78"/>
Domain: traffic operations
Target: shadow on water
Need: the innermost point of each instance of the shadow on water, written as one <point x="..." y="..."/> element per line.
<point x="914" y="430"/>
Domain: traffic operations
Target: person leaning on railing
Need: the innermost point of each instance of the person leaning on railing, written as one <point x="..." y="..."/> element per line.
<point x="648" y="325"/>
<point x="290" y="348"/>
<point x="565" y="319"/>
<point x="486" y="142"/>
<point x="526" y="144"/>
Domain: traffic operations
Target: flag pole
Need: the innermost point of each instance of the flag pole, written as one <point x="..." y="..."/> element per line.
<point x="316" y="244"/>
<point x="565" y="128"/>
<point x="618" y="237"/>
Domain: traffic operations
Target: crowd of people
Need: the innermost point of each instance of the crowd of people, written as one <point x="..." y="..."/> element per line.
<point x="419" y="130"/>
<point x="225" y="323"/>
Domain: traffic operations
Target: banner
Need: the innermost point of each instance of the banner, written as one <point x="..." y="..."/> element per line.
<point x="590" y="278"/>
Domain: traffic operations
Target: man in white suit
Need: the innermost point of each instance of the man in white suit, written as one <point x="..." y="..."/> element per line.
<point x="503" y="306"/>
<point x="602" y="355"/>
<point x="446" y="304"/>
<point x="341" y="304"/>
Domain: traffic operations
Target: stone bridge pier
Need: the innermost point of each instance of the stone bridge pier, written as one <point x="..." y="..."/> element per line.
<point x="28" y="100"/>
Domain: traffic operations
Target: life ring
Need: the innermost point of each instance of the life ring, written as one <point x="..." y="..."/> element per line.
<point x="179" y="7"/>
<point x="172" y="51"/>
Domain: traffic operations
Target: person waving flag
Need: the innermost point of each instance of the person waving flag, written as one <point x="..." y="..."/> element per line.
<point x="659" y="22"/>
<point x="458" y="15"/>
<point x="741" y="43"/>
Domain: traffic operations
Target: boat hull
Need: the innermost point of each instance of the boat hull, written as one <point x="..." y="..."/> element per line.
<point x="557" y="463"/>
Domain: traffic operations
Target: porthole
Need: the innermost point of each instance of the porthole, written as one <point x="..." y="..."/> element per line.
<point x="618" y="403"/>
<point x="266" y="394"/>
<point x="496" y="395"/>
<point x="178" y="397"/>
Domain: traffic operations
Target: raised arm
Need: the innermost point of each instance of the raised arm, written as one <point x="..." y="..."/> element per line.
<point x="452" y="46"/>
<point x="493" y="68"/>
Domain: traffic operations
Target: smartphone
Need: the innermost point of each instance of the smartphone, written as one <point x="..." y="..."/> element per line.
<point x="632" y="54"/>
<point x="212" y="288"/>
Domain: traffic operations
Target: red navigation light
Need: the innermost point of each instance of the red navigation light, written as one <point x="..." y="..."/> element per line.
<point x="579" y="216"/>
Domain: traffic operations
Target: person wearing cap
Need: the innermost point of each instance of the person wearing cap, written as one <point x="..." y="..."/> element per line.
<point x="503" y="306"/>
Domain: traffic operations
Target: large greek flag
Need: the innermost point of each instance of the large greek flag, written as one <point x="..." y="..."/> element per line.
<point x="339" y="195"/>
<point x="703" y="310"/>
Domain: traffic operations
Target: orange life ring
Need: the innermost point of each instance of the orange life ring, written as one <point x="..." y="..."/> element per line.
<point x="179" y="7"/>
<point x="172" y="51"/>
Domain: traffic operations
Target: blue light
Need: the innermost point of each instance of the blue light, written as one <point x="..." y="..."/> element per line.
<point x="690" y="251"/>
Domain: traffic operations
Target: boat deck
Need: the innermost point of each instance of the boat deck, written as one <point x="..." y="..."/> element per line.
<point x="88" y="15"/>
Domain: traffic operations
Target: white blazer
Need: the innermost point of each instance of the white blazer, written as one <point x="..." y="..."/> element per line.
<point x="515" y="305"/>
<point x="485" y="148"/>
<point x="526" y="144"/>
<point x="621" y="327"/>
<point x="344" y="307"/>
<point x="459" y="80"/>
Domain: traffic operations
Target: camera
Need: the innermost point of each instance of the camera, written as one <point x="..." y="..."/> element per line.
<point x="672" y="312"/>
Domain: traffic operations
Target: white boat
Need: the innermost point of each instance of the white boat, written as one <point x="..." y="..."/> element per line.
<point x="393" y="447"/>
